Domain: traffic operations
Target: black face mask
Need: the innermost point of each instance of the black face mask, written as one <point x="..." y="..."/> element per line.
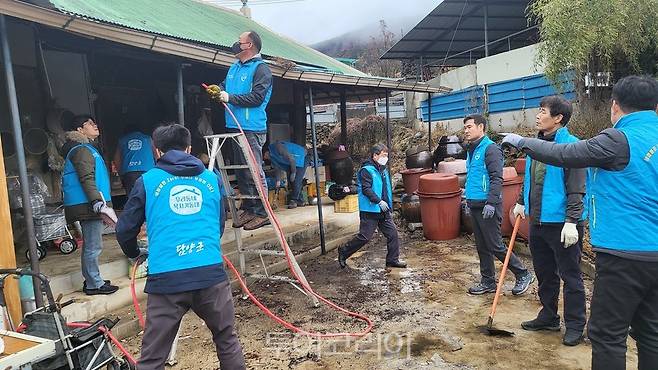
<point x="235" y="48"/>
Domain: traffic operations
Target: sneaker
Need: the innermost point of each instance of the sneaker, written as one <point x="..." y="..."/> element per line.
<point x="105" y="289"/>
<point x="537" y="325"/>
<point x="481" y="288"/>
<point x="243" y="218"/>
<point x="84" y="284"/>
<point x="572" y="337"/>
<point x="397" y="264"/>
<point x="256" y="223"/>
<point x="523" y="283"/>
<point x="292" y="204"/>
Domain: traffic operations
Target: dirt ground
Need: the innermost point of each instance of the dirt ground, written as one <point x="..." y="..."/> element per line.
<point x="424" y="319"/>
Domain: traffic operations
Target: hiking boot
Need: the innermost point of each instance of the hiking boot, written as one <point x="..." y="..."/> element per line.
<point x="256" y="223"/>
<point x="342" y="258"/>
<point x="243" y="219"/>
<point x="537" y="325"/>
<point x="105" y="289"/>
<point x="523" y="283"/>
<point x="572" y="337"/>
<point x="397" y="264"/>
<point x="292" y="204"/>
<point x="481" y="288"/>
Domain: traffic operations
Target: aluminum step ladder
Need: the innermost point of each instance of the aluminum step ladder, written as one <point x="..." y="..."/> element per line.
<point x="214" y="144"/>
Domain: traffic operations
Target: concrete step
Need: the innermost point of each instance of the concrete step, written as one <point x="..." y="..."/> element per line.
<point x="72" y="281"/>
<point x="86" y="308"/>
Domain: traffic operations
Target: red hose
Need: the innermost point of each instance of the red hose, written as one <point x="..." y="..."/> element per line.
<point x="284" y="242"/>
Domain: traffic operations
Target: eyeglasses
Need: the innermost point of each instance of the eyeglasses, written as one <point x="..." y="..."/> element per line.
<point x="90" y="122"/>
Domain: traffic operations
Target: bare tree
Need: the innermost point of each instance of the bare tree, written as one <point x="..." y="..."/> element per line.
<point x="369" y="61"/>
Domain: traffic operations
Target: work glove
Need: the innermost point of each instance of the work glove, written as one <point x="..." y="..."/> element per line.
<point x="512" y="140"/>
<point x="106" y="213"/>
<point x="569" y="235"/>
<point x="213" y="91"/>
<point x="467" y="210"/>
<point x="519" y="210"/>
<point x="488" y="211"/>
<point x="223" y="97"/>
<point x="384" y="206"/>
<point x="143" y="255"/>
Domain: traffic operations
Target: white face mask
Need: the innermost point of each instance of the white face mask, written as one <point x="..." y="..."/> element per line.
<point x="382" y="160"/>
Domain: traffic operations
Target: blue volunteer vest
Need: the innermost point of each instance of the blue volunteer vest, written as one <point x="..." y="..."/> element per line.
<point x="477" y="176"/>
<point x="280" y="160"/>
<point x="239" y="80"/>
<point x="136" y="153"/>
<point x="71" y="186"/>
<point x="182" y="215"/>
<point x="624" y="204"/>
<point x="365" y="205"/>
<point x="554" y="195"/>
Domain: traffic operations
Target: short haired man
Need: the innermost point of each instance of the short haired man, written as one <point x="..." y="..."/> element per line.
<point x="247" y="90"/>
<point x="134" y="155"/>
<point x="484" y="182"/>
<point x="181" y="201"/>
<point x="623" y="208"/>
<point x="87" y="194"/>
<point x="553" y="199"/>
<point x="375" y="205"/>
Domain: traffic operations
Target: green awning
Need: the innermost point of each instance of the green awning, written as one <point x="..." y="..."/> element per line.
<point x="198" y="22"/>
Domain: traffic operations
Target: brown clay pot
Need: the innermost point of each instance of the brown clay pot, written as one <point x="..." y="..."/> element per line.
<point x="441" y="215"/>
<point x="519" y="166"/>
<point x="411" y="177"/>
<point x="411" y="208"/>
<point x="511" y="189"/>
<point x="438" y="183"/>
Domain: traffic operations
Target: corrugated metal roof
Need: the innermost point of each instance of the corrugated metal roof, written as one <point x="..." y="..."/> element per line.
<point x="199" y="22"/>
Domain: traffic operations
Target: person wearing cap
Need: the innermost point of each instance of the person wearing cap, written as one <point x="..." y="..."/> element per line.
<point x="87" y="196"/>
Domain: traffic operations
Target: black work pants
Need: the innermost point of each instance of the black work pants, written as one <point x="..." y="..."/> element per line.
<point x="553" y="263"/>
<point x="366" y="231"/>
<point x="489" y="243"/>
<point x="625" y="295"/>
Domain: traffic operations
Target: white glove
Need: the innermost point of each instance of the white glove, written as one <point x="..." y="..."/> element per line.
<point x="107" y="214"/>
<point x="223" y="96"/>
<point x="569" y="234"/>
<point x="519" y="210"/>
<point x="384" y="206"/>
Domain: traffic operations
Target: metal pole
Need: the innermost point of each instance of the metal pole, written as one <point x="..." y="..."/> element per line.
<point x="343" y="118"/>
<point x="429" y="121"/>
<point x="388" y="133"/>
<point x="486" y="30"/>
<point x="315" y="167"/>
<point x="181" y="96"/>
<point x="22" y="168"/>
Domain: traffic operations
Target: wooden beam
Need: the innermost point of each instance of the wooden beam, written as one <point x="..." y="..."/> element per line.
<point x="7" y="253"/>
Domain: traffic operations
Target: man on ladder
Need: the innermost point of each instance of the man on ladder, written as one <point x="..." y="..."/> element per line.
<point x="246" y="91"/>
<point x="181" y="202"/>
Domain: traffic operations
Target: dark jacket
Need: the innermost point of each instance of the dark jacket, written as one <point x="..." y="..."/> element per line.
<point x="608" y="150"/>
<point x="493" y="159"/>
<point x="260" y="85"/>
<point x="133" y="216"/>
<point x="366" y="188"/>
<point x="574" y="182"/>
<point x="85" y="166"/>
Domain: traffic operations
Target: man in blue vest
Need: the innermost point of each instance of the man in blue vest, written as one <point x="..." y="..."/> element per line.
<point x="247" y="90"/>
<point x="553" y="198"/>
<point x="375" y="205"/>
<point x="484" y="182"/>
<point x="181" y="202"/>
<point x="134" y="156"/>
<point x="291" y="158"/>
<point x="622" y="195"/>
<point x="87" y="196"/>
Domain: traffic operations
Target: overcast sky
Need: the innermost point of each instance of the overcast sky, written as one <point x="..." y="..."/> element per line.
<point x="311" y="21"/>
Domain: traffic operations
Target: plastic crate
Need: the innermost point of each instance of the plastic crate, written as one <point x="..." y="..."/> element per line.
<point x="312" y="192"/>
<point x="349" y="204"/>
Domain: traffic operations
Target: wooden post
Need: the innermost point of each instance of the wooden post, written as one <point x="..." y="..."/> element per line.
<point x="7" y="254"/>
